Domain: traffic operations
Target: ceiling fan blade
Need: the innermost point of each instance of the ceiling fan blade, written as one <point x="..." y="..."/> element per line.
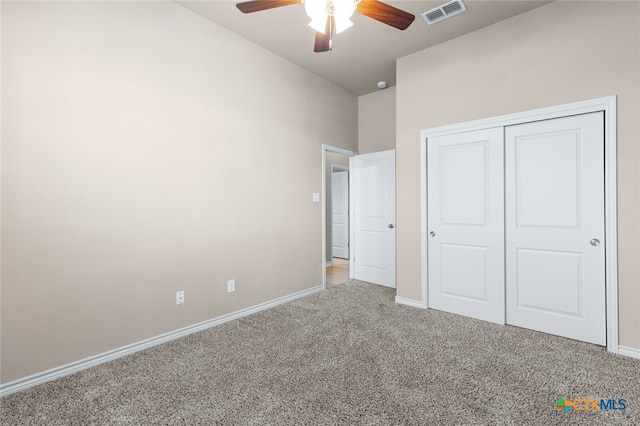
<point x="386" y="14"/>
<point x="324" y="41"/>
<point x="258" y="5"/>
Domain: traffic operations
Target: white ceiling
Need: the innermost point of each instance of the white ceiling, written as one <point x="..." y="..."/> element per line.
<point x="365" y="53"/>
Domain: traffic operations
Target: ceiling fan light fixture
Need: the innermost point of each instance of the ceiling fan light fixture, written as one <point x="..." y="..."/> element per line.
<point x="320" y="10"/>
<point x="342" y="23"/>
<point x="342" y="10"/>
<point x="319" y="23"/>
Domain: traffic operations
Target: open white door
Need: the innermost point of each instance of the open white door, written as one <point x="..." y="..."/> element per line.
<point x="374" y="217"/>
<point x="340" y="214"/>
<point x="555" y="257"/>
<point x="465" y="216"/>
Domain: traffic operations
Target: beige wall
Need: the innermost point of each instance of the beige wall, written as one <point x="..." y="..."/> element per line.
<point x="146" y="150"/>
<point x="559" y="53"/>
<point x="377" y="121"/>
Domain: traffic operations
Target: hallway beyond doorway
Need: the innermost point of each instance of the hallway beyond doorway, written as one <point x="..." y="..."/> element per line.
<point x="338" y="272"/>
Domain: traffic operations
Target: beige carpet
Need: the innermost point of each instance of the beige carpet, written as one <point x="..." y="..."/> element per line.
<point x="348" y="355"/>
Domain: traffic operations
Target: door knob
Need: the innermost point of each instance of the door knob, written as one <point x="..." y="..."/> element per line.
<point x="391" y="226"/>
<point x="433" y="234"/>
<point x="595" y="242"/>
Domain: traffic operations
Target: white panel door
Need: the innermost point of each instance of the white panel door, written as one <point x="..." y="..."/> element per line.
<point x="340" y="214"/>
<point x="465" y="217"/>
<point x="555" y="226"/>
<point x="374" y="217"/>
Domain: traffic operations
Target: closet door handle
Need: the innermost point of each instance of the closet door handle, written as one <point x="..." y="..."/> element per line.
<point x="391" y="226"/>
<point x="433" y="234"/>
<point x="595" y="242"/>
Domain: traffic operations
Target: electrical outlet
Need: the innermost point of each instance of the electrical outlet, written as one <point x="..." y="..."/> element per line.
<point x="231" y="286"/>
<point x="180" y="298"/>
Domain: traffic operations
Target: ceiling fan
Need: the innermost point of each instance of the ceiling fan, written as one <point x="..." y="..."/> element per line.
<point x="332" y="16"/>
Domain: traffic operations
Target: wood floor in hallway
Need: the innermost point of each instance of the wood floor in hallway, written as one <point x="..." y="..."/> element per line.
<point x="338" y="273"/>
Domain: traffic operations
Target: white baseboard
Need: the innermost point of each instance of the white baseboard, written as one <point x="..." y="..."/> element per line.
<point x="630" y="352"/>
<point x="410" y="302"/>
<point x="75" y="367"/>
<point x="328" y="263"/>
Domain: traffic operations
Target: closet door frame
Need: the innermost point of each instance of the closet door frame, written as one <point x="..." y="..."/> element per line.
<point x="608" y="106"/>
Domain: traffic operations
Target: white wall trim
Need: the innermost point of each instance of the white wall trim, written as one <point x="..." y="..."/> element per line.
<point x="611" y="220"/>
<point x="424" y="246"/>
<point x="630" y="352"/>
<point x="336" y="150"/>
<point x="352" y="221"/>
<point x="409" y="302"/>
<point x="582" y="107"/>
<point x="606" y="104"/>
<point x="84" y="364"/>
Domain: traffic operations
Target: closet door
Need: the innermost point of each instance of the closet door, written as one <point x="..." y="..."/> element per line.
<point x="465" y="174"/>
<point x="555" y="226"/>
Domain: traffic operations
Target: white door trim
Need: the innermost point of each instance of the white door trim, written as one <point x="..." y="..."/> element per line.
<point x="323" y="199"/>
<point x="606" y="104"/>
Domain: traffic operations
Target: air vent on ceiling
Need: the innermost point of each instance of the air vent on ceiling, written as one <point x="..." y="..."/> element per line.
<point x="445" y="11"/>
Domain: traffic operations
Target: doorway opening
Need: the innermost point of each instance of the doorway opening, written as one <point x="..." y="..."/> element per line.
<point x="335" y="270"/>
<point x="338" y="227"/>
